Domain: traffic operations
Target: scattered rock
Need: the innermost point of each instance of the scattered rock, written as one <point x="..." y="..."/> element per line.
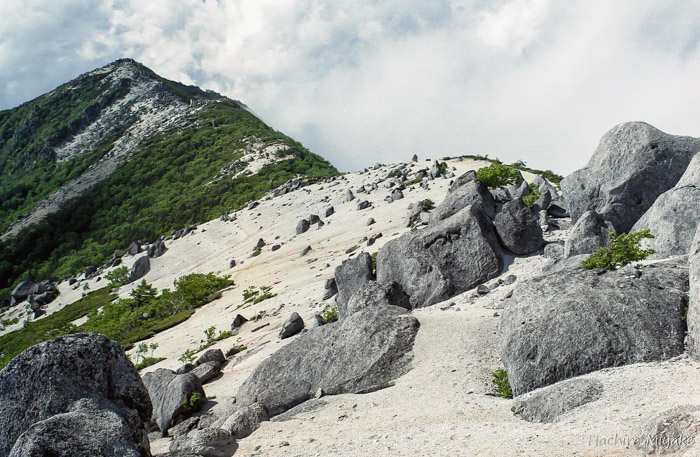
<point x="52" y="390"/>
<point x="371" y="221"/>
<point x="633" y="164"/>
<point x="364" y="204"/>
<point x="211" y="355"/>
<point x="396" y="194"/>
<point x="208" y="442"/>
<point x="518" y="228"/>
<point x="588" y="234"/>
<point x="302" y="226"/>
<point x="548" y="333"/>
<point x="293" y="325"/>
<point x="168" y="392"/>
<point x="445" y="259"/>
<point x="134" y="248"/>
<point x="238" y="321"/>
<point x="186" y="368"/>
<point x="374" y="294"/>
<point x="360" y="353"/>
<point x="232" y="263"/>
<point x="482" y="289"/>
<point x="542" y="203"/>
<point x="305" y="251"/>
<point x="246" y="420"/>
<point x="554" y="251"/>
<point x="547" y="404"/>
<point x="349" y="196"/>
<point x="206" y="371"/>
<point x="140" y="268"/>
<point x="329" y="289"/>
<point x="157" y="249"/>
<point x="89" y="271"/>
<point x="329" y="211"/>
<point x="275" y="247"/>
<point x="259" y="245"/>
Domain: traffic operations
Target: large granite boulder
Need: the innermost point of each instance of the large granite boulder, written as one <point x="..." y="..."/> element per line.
<point x="588" y="234"/>
<point x="465" y="191"/>
<point x="169" y="393"/>
<point x="693" y="318"/>
<point x="574" y="322"/>
<point x="352" y="275"/>
<point x="157" y="249"/>
<point x="518" y="229"/>
<point x="674" y="216"/>
<point x="445" y="259"/>
<point x="23" y="290"/>
<point x="56" y="389"/>
<point x="360" y="353"/>
<point x="633" y="164"/>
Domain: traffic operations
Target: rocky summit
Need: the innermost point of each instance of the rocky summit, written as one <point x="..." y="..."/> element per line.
<point x="188" y="281"/>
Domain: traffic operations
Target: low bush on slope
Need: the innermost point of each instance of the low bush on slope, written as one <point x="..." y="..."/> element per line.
<point x="127" y="320"/>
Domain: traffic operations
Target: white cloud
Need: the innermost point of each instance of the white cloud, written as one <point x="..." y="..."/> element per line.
<point x="381" y="80"/>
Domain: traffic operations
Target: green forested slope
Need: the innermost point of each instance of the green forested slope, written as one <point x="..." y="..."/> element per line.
<point x="166" y="185"/>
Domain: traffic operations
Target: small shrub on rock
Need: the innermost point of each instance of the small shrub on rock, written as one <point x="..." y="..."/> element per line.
<point x="497" y="175"/>
<point x="535" y="193"/>
<point x="330" y="314"/>
<point x="622" y="250"/>
<point x="499" y="378"/>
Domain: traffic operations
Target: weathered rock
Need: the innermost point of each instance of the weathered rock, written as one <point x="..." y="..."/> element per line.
<point x="396" y="194"/>
<point x="329" y="211"/>
<point x="314" y="219"/>
<point x="482" y="289"/>
<point x="293" y="325"/>
<point x="465" y="191"/>
<point x="92" y="427"/>
<point x="672" y="431"/>
<point x="674" y="216"/>
<point x="23" y="290"/>
<point x="445" y="259"/>
<point x="361" y="353"/>
<point x="519" y="189"/>
<point x="302" y="226"/>
<point x="208" y="442"/>
<point x="246" y="420"/>
<point x="329" y="289"/>
<point x="547" y="404"/>
<point x="90" y="271"/>
<point x="186" y="368"/>
<point x="232" y="263"/>
<point x="238" y="321"/>
<point x="633" y="164"/>
<point x="305" y="251"/>
<point x="351" y="276"/>
<point x="558" y="209"/>
<point x="134" y="248"/>
<point x="140" y="268"/>
<point x="259" y="245"/>
<point x="414" y="158"/>
<point x="518" y="229"/>
<point x="211" y="355"/>
<point x="588" y="234"/>
<point x="157" y="249"/>
<point x="168" y="392"/>
<point x="543" y="185"/>
<point x="693" y="318"/>
<point x="349" y="196"/>
<point x="371" y="221"/>
<point x="275" y="247"/>
<point x="566" y="264"/>
<point x="373" y="239"/>
<point x="554" y="251"/>
<point x="45" y="298"/>
<point x="206" y="371"/>
<point x="364" y="204"/>
<point x="374" y="294"/>
<point x="542" y="202"/>
<point x="548" y="333"/>
<point x="42" y="388"/>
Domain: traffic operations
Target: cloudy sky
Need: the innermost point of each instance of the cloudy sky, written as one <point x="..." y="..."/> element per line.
<point x="366" y="81"/>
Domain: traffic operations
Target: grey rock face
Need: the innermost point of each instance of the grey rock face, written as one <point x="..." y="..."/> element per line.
<point x="674" y="216"/>
<point x="211" y="355"/>
<point x="694" y="298"/>
<point x="396" y="194"/>
<point x="168" y="391"/>
<point x="48" y="381"/>
<point x="330" y="288"/>
<point x="351" y="276"/>
<point x="519" y="189"/>
<point x="360" y="353"/>
<point x="140" y="268"/>
<point x="375" y="294"/>
<point x="670" y="431"/>
<point x="646" y="163"/>
<point x="518" y="229"/>
<point x="548" y="332"/>
<point x="134" y="248"/>
<point x="443" y="260"/>
<point x="558" y="209"/>
<point x="245" y="421"/>
<point x="92" y="428"/>
<point x="157" y="249"/>
<point x="465" y="191"/>
<point x="588" y="234"/>
<point x="302" y="226"/>
<point x="293" y="325"/>
<point x="542" y="203"/>
<point x="207" y="371"/>
<point x="547" y="404"/>
<point x="23" y="290"/>
<point x="208" y="442"/>
<point x="554" y="251"/>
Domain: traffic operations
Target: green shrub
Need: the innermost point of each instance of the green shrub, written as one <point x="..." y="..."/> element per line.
<point x="499" y="378"/>
<point x="394" y="174"/>
<point x="187" y="356"/>
<point x="622" y="250"/>
<point x="192" y="403"/>
<point x="530" y="199"/>
<point x="497" y="175"/>
<point x="374" y="262"/>
<point x="330" y="314"/>
<point x="147" y="362"/>
<point x="427" y="205"/>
